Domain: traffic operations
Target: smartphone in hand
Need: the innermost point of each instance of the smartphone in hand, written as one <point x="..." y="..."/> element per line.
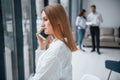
<point x="43" y="35"/>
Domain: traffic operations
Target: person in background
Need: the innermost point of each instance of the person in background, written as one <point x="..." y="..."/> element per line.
<point x="95" y="19"/>
<point x="81" y="25"/>
<point x="54" y="63"/>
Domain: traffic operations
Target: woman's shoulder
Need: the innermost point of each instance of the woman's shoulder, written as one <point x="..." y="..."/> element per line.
<point x="61" y="48"/>
<point x="58" y="49"/>
<point x="58" y="44"/>
<point x="78" y="17"/>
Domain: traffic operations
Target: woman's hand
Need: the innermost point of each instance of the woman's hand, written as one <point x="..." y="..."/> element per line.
<point x="79" y="27"/>
<point x="42" y="43"/>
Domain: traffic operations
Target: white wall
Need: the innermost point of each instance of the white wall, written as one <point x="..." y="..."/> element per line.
<point x="110" y="10"/>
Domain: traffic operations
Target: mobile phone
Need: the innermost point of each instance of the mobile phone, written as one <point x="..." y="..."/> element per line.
<point x="43" y="35"/>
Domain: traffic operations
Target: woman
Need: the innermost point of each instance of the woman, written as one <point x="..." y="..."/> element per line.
<point x="81" y="24"/>
<point x="55" y="62"/>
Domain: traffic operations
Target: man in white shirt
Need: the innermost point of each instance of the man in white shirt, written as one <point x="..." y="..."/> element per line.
<point x="95" y="19"/>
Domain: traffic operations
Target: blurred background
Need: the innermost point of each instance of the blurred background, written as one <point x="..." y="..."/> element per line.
<point x="20" y="20"/>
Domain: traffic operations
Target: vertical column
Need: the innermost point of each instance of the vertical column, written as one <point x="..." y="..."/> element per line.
<point x="52" y="1"/>
<point x="81" y="4"/>
<point x="45" y="2"/>
<point x="39" y="7"/>
<point x="73" y="17"/>
<point x="65" y="4"/>
<point x="70" y="9"/>
<point x="58" y="1"/>
<point x="33" y="34"/>
<point x="74" y="13"/>
<point x="2" y="62"/>
<point x="18" y="40"/>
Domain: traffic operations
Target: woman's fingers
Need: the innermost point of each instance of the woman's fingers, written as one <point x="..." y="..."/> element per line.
<point x="42" y="43"/>
<point x="38" y="37"/>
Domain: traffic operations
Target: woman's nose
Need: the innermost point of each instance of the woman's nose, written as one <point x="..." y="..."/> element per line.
<point x="43" y="25"/>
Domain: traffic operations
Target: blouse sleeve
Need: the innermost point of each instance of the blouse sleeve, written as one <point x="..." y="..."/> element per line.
<point x="77" y="21"/>
<point x="38" y="53"/>
<point x="48" y="69"/>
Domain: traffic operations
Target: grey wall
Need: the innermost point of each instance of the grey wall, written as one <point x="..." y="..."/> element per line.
<point x="109" y="10"/>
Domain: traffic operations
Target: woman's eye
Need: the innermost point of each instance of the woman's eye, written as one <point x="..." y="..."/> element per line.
<point x="45" y="19"/>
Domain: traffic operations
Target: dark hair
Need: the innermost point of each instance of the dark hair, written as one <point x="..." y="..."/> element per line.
<point x="82" y="13"/>
<point x="93" y="6"/>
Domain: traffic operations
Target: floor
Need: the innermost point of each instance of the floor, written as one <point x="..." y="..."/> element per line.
<point x="94" y="64"/>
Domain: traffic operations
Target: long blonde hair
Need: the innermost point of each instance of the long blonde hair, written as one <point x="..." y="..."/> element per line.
<point x="60" y="24"/>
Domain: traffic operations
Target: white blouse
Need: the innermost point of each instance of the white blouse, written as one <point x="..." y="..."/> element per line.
<point x="54" y="63"/>
<point x="80" y="21"/>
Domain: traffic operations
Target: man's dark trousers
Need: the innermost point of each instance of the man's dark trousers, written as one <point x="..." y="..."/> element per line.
<point x="95" y="35"/>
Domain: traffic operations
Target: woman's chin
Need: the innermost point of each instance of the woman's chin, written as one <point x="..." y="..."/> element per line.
<point x="46" y="33"/>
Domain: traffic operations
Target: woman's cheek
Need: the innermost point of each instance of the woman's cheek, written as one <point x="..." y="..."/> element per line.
<point x="47" y="31"/>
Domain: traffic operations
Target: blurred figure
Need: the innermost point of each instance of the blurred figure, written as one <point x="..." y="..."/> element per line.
<point x="81" y="25"/>
<point x="95" y="19"/>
